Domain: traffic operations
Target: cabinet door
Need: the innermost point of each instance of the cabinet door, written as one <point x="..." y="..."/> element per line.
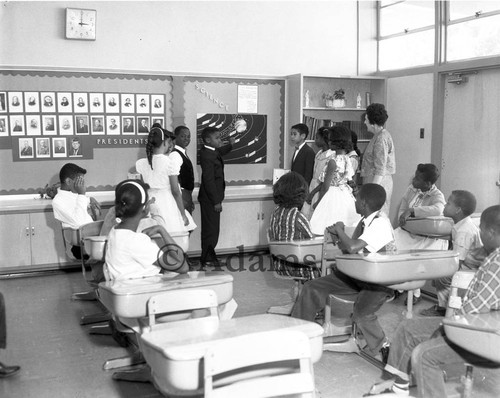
<point x="47" y="245"/>
<point x="267" y="207"/>
<point x="15" y="236"/>
<point x="240" y="225"/>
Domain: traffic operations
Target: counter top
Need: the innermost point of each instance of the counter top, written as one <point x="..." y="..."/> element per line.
<point x="33" y="202"/>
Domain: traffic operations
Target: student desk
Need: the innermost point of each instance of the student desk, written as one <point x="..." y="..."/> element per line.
<point x="477" y="333"/>
<point x="175" y="353"/>
<point x="128" y="298"/>
<point x="433" y="227"/>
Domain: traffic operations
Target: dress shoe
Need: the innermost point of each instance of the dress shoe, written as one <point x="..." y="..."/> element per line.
<point x="216" y="264"/>
<point x="6" y="371"/>
<point x="435" y="310"/>
<point x="384" y="353"/>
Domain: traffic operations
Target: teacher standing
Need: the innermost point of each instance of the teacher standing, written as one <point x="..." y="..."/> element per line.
<point x="379" y="162"/>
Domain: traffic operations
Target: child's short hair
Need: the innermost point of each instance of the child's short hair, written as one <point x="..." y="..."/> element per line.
<point x="207" y="132"/>
<point x="429" y="171"/>
<point x="301" y="128"/>
<point x="179" y="129"/>
<point x="373" y="195"/>
<point x="290" y="190"/>
<point x="130" y="197"/>
<point x="340" y="138"/>
<point x="490" y="218"/>
<point x="70" y="170"/>
<point x="465" y="200"/>
<point x="376" y="114"/>
<point x="323" y="132"/>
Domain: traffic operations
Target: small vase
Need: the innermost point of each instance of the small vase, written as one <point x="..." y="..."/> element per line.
<point x="339" y="103"/>
<point x="329" y="103"/>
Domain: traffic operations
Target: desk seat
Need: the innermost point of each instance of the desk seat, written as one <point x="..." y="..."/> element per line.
<point x="128" y="298"/>
<point x="174" y="352"/>
<point x="397" y="268"/>
<point x="477" y="333"/>
<point x="434" y="226"/>
<point x="307" y="251"/>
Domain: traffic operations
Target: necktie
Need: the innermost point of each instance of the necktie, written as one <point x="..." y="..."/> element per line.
<point x="295" y="154"/>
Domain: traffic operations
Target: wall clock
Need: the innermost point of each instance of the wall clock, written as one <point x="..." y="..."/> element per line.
<point x="80" y="24"/>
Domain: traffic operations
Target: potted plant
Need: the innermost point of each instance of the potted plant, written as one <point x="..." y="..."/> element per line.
<point x="339" y="98"/>
<point x="329" y="98"/>
<point x="49" y="191"/>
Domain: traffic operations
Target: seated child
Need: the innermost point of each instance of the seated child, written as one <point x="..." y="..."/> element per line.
<point x="71" y="206"/>
<point x="420" y="345"/>
<point x="132" y="254"/>
<point x="288" y="223"/>
<point x="422" y="199"/>
<point x="465" y="237"/>
<point x="373" y="234"/>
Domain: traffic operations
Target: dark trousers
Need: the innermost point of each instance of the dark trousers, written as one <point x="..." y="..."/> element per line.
<point x="210" y="227"/>
<point x="3" y="323"/>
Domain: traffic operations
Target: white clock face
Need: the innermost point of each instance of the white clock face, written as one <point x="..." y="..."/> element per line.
<point x="80" y="24"/>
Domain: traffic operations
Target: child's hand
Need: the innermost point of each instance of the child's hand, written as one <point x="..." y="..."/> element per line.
<point x="95" y="208"/>
<point x="338" y="226"/>
<point x="402" y="219"/>
<point x="218" y="207"/>
<point x="79" y="185"/>
<point x="154" y="230"/>
<point x="185" y="220"/>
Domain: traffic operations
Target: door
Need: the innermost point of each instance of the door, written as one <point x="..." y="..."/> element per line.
<point x="15" y="236"/>
<point x="471" y="137"/>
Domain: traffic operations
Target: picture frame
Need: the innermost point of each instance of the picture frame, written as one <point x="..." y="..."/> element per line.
<point x="15" y="102"/>
<point x="128" y="103"/>
<point x="113" y="125"/>
<point x="16" y="123"/>
<point x="80" y="102"/>
<point x="48" y="102"/>
<point x="32" y="101"/>
<point x="42" y="147"/>
<point x="96" y="102"/>
<point x="4" y="126"/>
<point x="33" y="125"/>
<point x="49" y="125"/>
<point x="81" y="125"/>
<point x="65" y="102"/>
<point x="59" y="147"/>
<point x="128" y="125"/>
<point x="26" y="148"/>
<point x="158" y="104"/>
<point x="76" y="150"/>
<point x="97" y="125"/>
<point x="158" y="119"/>
<point x="112" y="102"/>
<point x="66" y="125"/>
<point x="3" y="102"/>
<point x="143" y="104"/>
<point x="143" y="125"/>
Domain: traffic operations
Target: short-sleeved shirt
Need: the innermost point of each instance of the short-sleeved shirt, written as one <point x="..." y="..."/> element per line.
<point x="465" y="237"/>
<point x="158" y="176"/>
<point x="130" y="255"/>
<point x="378" y="233"/>
<point x="71" y="209"/>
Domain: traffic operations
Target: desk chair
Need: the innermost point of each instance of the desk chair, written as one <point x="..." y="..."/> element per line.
<point x="162" y="308"/>
<point x="240" y="353"/>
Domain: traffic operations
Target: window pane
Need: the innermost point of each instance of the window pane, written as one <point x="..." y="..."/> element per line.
<point x="414" y="49"/>
<point x="408" y="15"/>
<point x="472" y="39"/>
<point x="464" y="9"/>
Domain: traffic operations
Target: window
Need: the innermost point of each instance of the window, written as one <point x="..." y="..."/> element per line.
<point x="406" y="34"/>
<point x="473" y="28"/>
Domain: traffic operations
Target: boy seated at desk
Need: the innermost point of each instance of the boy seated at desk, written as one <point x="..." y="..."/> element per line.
<point x="374" y="233"/>
<point x="71" y="206"/>
<point x="420" y="345"/>
<point x="465" y="238"/>
<point x="422" y="199"/>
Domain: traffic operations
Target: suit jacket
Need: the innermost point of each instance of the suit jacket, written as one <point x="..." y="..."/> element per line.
<point x="304" y="163"/>
<point x="186" y="174"/>
<point x="212" y="174"/>
<point x="59" y="149"/>
<point x="128" y="129"/>
<point x="27" y="151"/>
<point x="82" y="130"/>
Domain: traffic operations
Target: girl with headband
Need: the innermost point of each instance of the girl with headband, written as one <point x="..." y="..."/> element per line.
<point x="161" y="174"/>
<point x="131" y="254"/>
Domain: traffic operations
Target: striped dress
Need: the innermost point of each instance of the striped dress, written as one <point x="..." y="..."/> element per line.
<point x="288" y="224"/>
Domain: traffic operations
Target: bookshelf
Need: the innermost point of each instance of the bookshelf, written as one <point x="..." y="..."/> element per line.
<point x="317" y="114"/>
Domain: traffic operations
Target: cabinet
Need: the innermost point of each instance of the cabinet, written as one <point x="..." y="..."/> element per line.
<point x="30" y="241"/>
<point x="317" y="114"/>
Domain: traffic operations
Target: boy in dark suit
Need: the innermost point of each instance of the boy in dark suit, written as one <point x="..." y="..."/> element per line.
<point x="303" y="157"/>
<point x="211" y="192"/>
<point x="186" y="175"/>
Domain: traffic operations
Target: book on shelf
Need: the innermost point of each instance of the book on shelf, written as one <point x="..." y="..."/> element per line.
<point x="357" y="126"/>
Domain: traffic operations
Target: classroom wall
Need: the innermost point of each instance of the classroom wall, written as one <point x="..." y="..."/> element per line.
<point x="273" y="38"/>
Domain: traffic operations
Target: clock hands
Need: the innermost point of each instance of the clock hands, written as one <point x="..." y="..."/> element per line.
<point x="81" y="23"/>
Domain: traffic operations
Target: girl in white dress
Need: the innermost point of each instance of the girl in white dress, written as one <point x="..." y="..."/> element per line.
<point x="131" y="254"/>
<point x="161" y="174"/>
<point x="322" y="157"/>
<point x="336" y="201"/>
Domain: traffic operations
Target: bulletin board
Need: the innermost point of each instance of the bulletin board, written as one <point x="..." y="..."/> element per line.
<point x="97" y="120"/>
